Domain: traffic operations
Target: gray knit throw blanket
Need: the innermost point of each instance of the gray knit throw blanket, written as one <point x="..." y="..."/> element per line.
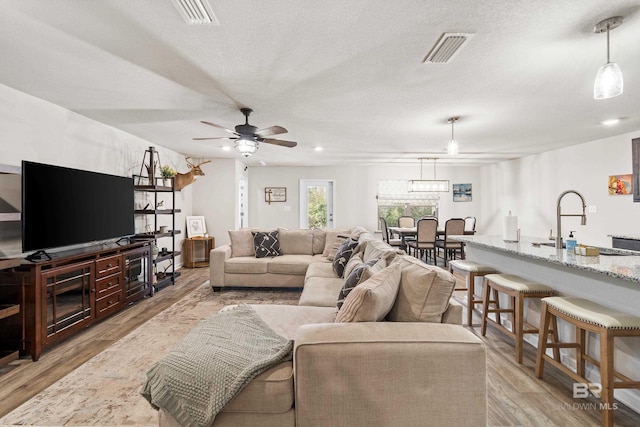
<point x="211" y="366"/>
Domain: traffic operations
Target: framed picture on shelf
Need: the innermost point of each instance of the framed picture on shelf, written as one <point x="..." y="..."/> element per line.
<point x="275" y="194"/>
<point x="196" y="226"/>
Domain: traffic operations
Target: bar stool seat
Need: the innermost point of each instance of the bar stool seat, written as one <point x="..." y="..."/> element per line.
<point x="518" y="289"/>
<point x="588" y="316"/>
<point x="468" y="271"/>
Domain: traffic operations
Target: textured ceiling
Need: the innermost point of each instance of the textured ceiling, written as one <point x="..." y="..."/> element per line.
<point x="344" y="75"/>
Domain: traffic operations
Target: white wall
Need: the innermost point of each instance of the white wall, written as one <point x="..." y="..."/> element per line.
<point x="37" y="130"/>
<point x="530" y="187"/>
<point x="355" y="190"/>
<point x="216" y="197"/>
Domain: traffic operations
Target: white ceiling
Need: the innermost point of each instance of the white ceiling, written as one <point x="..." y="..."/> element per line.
<point x="344" y="75"/>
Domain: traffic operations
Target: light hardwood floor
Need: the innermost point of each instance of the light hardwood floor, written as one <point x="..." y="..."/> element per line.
<point x="515" y="396"/>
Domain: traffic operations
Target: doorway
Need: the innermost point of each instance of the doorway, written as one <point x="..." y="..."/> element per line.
<point x="316" y="203"/>
<point x="243" y="199"/>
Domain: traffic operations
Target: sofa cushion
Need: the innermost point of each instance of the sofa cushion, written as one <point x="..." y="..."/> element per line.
<point x="371" y="300"/>
<point x="295" y="241"/>
<point x="271" y="392"/>
<point x="320" y="258"/>
<point x="358" y="274"/>
<point x="332" y="243"/>
<point x="375" y="249"/>
<point x="266" y="244"/>
<point x="241" y="242"/>
<point x="319" y="240"/>
<point x="321" y="292"/>
<point x="247" y="265"/>
<point x="354" y="261"/>
<point x="289" y="264"/>
<point x="286" y="319"/>
<point x="320" y="269"/>
<point x="424" y="292"/>
<point x="343" y="254"/>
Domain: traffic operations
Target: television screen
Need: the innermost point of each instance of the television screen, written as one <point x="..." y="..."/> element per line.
<point x="63" y="206"/>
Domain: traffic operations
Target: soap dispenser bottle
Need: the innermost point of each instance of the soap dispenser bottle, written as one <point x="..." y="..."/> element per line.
<point x="571" y="242"/>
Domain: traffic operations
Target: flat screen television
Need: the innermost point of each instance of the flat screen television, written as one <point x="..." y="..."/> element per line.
<point x="64" y="207"/>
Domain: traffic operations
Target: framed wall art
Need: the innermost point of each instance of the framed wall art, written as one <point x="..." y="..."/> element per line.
<point x="620" y="185"/>
<point x="462" y="193"/>
<point x="196" y="226"/>
<point x="275" y="194"/>
<point x="635" y="155"/>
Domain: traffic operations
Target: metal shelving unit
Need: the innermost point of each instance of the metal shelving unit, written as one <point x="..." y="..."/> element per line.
<point x="156" y="186"/>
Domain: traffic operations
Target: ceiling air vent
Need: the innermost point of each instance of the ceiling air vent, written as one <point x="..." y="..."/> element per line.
<point x="196" y="12"/>
<point x="446" y="47"/>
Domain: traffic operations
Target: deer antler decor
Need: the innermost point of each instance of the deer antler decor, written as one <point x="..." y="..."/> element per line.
<point x="181" y="180"/>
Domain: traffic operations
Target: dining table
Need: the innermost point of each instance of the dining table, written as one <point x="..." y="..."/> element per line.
<point x="405" y="232"/>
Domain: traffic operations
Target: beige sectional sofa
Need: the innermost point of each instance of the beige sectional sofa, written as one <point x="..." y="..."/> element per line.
<point x="419" y="367"/>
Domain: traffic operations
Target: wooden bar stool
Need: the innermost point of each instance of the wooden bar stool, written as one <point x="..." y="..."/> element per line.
<point x="588" y="316"/>
<point x="468" y="271"/>
<point x="518" y="289"/>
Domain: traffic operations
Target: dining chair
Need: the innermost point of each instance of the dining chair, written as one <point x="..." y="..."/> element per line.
<point x="425" y="242"/>
<point x="385" y="234"/>
<point x="406" y="222"/>
<point x="453" y="227"/>
<point x="470" y="224"/>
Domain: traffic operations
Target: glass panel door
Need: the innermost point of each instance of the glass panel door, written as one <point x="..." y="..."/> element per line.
<point x="316" y="203"/>
<point x="68" y="293"/>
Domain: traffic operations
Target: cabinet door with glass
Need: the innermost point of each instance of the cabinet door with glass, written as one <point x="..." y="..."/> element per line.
<point x="138" y="271"/>
<point x="69" y="301"/>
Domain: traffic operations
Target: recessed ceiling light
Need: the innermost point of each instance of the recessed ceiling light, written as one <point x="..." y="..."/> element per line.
<point x="609" y="122"/>
<point x="226" y="148"/>
<point x="318" y="148"/>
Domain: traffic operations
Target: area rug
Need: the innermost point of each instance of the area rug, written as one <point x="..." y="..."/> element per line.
<point x="104" y="391"/>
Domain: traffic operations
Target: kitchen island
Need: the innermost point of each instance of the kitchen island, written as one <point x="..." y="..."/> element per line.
<point x="611" y="279"/>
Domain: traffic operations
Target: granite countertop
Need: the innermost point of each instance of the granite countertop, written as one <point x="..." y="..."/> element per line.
<point x="626" y="236"/>
<point x="622" y="264"/>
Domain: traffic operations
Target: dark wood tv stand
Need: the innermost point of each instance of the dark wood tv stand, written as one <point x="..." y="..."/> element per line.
<point x="76" y="288"/>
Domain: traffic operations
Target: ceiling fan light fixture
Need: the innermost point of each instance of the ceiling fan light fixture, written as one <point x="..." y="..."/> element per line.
<point x="246" y="147"/>
<point x="609" y="82"/>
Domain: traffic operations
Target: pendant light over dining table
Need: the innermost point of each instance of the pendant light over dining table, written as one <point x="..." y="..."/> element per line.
<point x="428" y="185"/>
<point x="452" y="147"/>
<point x="609" y="82"/>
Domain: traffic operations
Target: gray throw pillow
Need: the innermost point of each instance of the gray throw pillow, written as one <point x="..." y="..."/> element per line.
<point x="266" y="244"/>
<point x="359" y="274"/>
<point x="342" y="256"/>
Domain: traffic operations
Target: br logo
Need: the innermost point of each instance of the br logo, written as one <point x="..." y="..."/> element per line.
<point x="581" y="390"/>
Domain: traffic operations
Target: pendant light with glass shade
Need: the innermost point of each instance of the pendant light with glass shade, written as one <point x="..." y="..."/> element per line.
<point x="609" y="82"/>
<point x="452" y="147"/>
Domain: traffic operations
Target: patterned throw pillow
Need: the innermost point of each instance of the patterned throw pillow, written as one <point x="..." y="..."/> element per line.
<point x="359" y="274"/>
<point x="266" y="243"/>
<point x="342" y="256"/>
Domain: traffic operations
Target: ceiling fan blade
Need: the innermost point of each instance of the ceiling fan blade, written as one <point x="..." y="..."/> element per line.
<point x="217" y="137"/>
<point x="273" y="130"/>
<point x="280" y="142"/>
<point x="219" y="127"/>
